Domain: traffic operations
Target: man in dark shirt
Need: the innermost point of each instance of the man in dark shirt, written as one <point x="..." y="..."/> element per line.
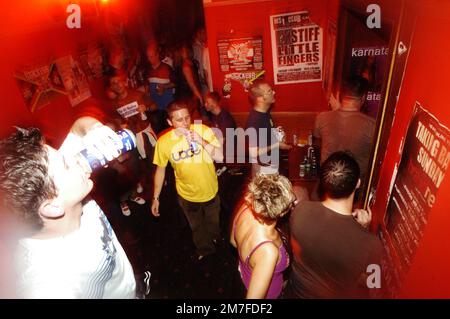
<point x="331" y="246"/>
<point x="220" y="119"/>
<point x="347" y="128"/>
<point x="264" y="147"/>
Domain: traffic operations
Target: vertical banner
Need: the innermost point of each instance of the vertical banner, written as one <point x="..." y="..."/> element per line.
<point x="424" y="164"/>
<point x="296" y="48"/>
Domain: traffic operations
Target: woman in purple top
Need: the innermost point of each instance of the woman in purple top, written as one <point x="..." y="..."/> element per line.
<point x="262" y="255"/>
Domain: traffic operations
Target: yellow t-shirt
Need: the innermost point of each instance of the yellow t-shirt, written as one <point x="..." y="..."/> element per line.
<point x="195" y="174"/>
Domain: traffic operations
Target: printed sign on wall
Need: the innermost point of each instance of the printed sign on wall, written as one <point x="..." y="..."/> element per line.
<point x="241" y="59"/>
<point x="296" y="48"/>
<point x="423" y="166"/>
<point x="74" y="80"/>
<point x="39" y="84"/>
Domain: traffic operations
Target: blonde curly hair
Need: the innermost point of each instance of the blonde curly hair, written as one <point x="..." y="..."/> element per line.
<point x="270" y="196"/>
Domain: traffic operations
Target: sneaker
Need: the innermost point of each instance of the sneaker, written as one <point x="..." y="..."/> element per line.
<point x="125" y="209"/>
<point x="143" y="285"/>
<point x="139" y="188"/>
<point x="138" y="200"/>
<point x="147" y="275"/>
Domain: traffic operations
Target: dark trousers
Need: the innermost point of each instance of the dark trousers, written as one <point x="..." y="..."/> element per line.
<point x="204" y="221"/>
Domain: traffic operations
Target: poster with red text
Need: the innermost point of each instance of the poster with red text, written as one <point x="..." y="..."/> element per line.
<point x="297" y="45"/>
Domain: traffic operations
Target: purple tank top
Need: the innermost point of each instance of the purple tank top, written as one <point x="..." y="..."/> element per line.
<point x="276" y="285"/>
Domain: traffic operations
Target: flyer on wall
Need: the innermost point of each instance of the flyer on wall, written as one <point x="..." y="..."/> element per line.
<point x="74" y="80"/>
<point x="423" y="166"/>
<point x="241" y="59"/>
<point x="39" y="85"/>
<point x="297" y="45"/>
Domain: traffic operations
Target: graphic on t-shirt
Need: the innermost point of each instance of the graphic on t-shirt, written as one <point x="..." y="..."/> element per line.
<point x="184" y="154"/>
<point x="95" y="287"/>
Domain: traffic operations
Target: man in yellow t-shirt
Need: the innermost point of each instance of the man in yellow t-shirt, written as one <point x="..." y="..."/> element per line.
<point x="191" y="149"/>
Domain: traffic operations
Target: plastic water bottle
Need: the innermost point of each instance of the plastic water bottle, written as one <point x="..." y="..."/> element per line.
<point x="92" y="162"/>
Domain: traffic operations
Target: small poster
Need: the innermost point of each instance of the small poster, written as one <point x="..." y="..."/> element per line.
<point x="423" y="167"/>
<point x="91" y="60"/>
<point x="241" y="59"/>
<point x="128" y="110"/>
<point x="39" y="84"/>
<point x="74" y="80"/>
<point x="296" y="48"/>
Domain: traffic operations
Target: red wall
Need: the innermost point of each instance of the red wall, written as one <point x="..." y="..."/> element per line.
<point x="252" y="19"/>
<point x="425" y="81"/>
<point x="33" y="33"/>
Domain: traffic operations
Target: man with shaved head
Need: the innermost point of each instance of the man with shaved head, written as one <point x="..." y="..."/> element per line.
<point x="331" y="244"/>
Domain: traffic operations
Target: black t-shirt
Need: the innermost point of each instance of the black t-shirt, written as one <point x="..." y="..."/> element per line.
<point x="335" y="251"/>
<point x="223" y="121"/>
<point x="265" y="137"/>
<point x="260" y="120"/>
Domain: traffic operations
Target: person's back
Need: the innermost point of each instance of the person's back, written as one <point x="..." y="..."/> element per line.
<point x="248" y="241"/>
<point x="335" y="251"/>
<point x="346" y="130"/>
<point x="331" y="245"/>
<point x="262" y="254"/>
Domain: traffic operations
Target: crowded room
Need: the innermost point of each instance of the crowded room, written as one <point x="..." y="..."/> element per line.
<point x="224" y="149"/>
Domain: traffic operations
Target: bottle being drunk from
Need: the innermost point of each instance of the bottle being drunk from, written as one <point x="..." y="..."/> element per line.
<point x="92" y="161"/>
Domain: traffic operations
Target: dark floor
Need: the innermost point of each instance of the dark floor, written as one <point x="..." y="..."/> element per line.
<point x="163" y="245"/>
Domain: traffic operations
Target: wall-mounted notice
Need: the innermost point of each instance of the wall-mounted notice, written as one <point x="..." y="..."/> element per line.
<point x="424" y="163"/>
<point x="39" y="85"/>
<point x="296" y="48"/>
<point x="241" y="59"/>
<point x="74" y="80"/>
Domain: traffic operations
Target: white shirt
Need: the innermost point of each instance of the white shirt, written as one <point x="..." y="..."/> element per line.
<point x="88" y="263"/>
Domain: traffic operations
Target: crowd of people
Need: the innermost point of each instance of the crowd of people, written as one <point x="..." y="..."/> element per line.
<point x="70" y="250"/>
